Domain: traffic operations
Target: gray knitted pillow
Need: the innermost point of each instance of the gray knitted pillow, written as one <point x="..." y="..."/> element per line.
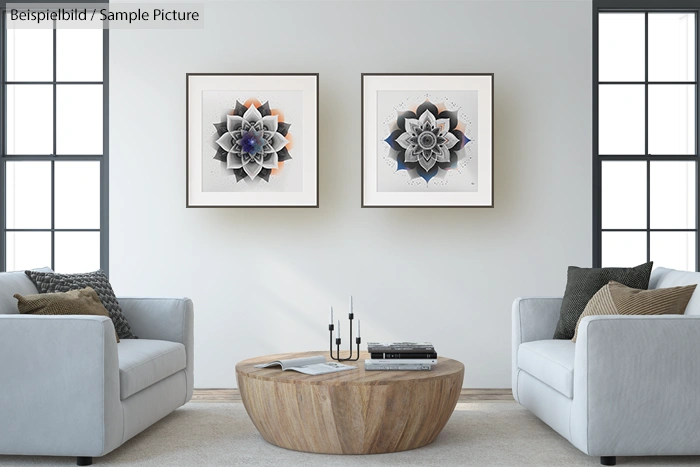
<point x="48" y="282"/>
<point x="583" y="283"/>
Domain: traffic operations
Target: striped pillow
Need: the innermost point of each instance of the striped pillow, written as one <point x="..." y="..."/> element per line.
<point x="618" y="299"/>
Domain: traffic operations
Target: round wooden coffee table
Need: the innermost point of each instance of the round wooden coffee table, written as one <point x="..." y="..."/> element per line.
<point x="351" y="412"/>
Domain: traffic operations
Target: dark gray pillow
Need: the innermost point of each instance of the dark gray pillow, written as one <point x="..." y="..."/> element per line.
<point x="48" y="282"/>
<point x="583" y="283"/>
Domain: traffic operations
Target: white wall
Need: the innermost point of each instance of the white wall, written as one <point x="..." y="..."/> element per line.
<point x="262" y="279"/>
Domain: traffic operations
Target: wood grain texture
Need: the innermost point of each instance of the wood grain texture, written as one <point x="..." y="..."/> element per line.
<point x="216" y="395"/>
<point x="233" y="395"/>
<point x="352" y="412"/>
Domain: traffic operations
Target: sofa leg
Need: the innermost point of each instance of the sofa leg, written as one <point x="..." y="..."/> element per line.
<point x="88" y="461"/>
<point x="608" y="460"/>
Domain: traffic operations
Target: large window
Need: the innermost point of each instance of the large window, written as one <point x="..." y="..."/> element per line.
<point x="53" y="164"/>
<point x="645" y="133"/>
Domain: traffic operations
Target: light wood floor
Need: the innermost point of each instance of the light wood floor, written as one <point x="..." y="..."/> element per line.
<point x="468" y="395"/>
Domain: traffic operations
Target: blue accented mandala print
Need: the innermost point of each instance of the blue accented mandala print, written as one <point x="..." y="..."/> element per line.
<point x="252" y="141"/>
<point x="426" y="140"/>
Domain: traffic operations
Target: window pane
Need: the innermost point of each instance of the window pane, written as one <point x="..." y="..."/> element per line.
<point x="621" y="119"/>
<point x="29" y="54"/>
<point x="671" y="119"/>
<point x="675" y="250"/>
<point x="624" y="249"/>
<point x="28" y="202"/>
<point x="671" y="47"/>
<point x="79" y="54"/>
<point x="28" y="250"/>
<point x="77" y="195"/>
<point x="621" y="47"/>
<point x="79" y="119"/>
<point x="30" y="119"/>
<point x="77" y="252"/>
<point x="624" y="195"/>
<point x="673" y="195"/>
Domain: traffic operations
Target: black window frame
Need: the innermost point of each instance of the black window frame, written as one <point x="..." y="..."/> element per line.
<point x="643" y="6"/>
<point x="103" y="158"/>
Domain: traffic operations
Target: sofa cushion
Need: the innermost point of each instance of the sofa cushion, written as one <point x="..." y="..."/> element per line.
<point x="617" y="299"/>
<point x="144" y="362"/>
<point x="76" y="302"/>
<point x="662" y="278"/>
<point x="53" y="282"/>
<point x="583" y="283"/>
<point x="550" y="361"/>
<point x="12" y="283"/>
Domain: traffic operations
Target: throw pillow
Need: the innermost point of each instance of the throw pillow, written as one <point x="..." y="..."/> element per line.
<point x="53" y="282"/>
<point x="76" y="302"/>
<point x="617" y="299"/>
<point x="583" y="283"/>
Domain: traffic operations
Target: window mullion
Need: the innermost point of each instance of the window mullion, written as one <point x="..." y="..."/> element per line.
<point x="82" y="83"/>
<point x="3" y="143"/>
<point x="53" y="164"/>
<point x="651" y="157"/>
<point x="646" y="129"/>
<point x="597" y="160"/>
<point x="626" y="83"/>
<point x="53" y="212"/>
<point x="104" y="160"/>
<point x="51" y="157"/>
<point x="697" y="142"/>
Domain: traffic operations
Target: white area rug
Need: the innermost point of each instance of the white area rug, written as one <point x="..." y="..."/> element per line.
<point x="221" y="434"/>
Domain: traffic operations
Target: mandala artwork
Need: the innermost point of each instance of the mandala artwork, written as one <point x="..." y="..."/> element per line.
<point x="427" y="141"/>
<point x="253" y="141"/>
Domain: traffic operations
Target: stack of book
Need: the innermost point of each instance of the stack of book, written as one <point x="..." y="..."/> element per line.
<point x="400" y="356"/>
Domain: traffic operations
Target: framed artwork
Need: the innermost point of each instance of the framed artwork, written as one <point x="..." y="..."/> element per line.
<point x="427" y="140"/>
<point x="252" y="140"/>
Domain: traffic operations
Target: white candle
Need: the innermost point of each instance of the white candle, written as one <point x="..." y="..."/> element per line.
<point x="331" y="318"/>
<point x="337" y="331"/>
<point x="358" y="328"/>
<point x="350" y="303"/>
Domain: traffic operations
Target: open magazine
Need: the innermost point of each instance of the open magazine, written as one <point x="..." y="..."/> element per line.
<point x="309" y="365"/>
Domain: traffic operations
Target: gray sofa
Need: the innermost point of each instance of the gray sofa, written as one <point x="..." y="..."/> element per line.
<point x="629" y="386"/>
<point x="68" y="389"/>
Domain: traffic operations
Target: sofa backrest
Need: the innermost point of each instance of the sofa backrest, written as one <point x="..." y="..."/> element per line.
<point x="662" y="278"/>
<point x="12" y="283"/>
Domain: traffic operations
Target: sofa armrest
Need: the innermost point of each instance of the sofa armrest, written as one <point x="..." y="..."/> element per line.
<point x="533" y="319"/>
<point x="59" y="385"/>
<point x="167" y="319"/>
<point x="636" y="383"/>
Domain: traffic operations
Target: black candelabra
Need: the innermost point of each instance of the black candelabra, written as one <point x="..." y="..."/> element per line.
<point x="331" y="328"/>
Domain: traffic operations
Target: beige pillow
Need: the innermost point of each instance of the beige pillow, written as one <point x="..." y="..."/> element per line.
<point x="618" y="299"/>
<point x="76" y="302"/>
